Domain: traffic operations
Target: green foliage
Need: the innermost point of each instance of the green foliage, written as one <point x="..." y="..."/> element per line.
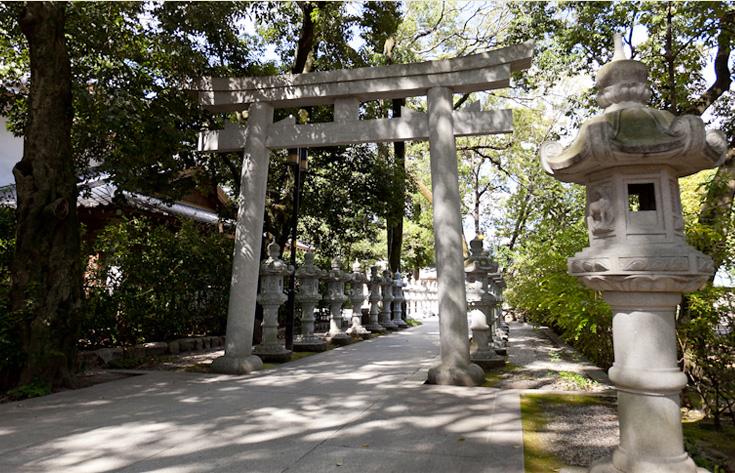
<point x="27" y="391"/>
<point x="540" y="289"/>
<point x="707" y="335"/>
<point x="10" y="353"/>
<point x="151" y="283"/>
<point x="579" y="381"/>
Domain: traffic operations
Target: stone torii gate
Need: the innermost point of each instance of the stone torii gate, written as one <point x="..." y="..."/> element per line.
<point x="345" y="90"/>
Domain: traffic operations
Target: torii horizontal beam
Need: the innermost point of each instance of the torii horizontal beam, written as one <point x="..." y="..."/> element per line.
<point x="410" y="126"/>
<point x="484" y="71"/>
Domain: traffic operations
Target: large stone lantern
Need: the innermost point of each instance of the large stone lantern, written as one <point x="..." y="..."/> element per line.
<point x="630" y="158"/>
<point x="481" y="303"/>
<point x="336" y="279"/>
<point x="308" y="296"/>
<point x="272" y="272"/>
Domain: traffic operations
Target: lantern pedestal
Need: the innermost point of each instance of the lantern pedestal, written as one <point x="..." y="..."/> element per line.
<point x="308" y="296"/>
<point x="648" y="381"/>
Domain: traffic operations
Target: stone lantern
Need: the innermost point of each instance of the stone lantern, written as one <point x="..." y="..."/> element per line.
<point x="630" y="158"/>
<point x="481" y="304"/>
<point x="374" y="283"/>
<point x="387" y="291"/>
<point x="272" y="272"/>
<point x="308" y="296"/>
<point x="398" y="300"/>
<point x="502" y="329"/>
<point x="357" y="297"/>
<point x="336" y="279"/>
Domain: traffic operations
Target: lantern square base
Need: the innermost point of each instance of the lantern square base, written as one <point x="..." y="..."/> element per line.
<point x="273" y="354"/>
<point x="316" y="345"/>
<point x="340" y="339"/>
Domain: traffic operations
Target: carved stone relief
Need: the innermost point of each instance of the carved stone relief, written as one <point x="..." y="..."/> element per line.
<point x="600" y="210"/>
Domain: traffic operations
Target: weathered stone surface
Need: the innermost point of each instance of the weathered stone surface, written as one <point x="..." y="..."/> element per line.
<point x="308" y="296"/>
<point x="248" y="235"/>
<point x="357" y="297"/>
<point x="638" y="255"/>
<point x="336" y="279"/>
<point x="109" y="354"/>
<point x="398" y="301"/>
<point x="173" y="347"/>
<point x="374" y="282"/>
<point x="272" y="272"/>
<point x="236" y="365"/>
<point x="455" y="367"/>
<point x="484" y="355"/>
<point x="155" y="348"/>
<point x="187" y="344"/>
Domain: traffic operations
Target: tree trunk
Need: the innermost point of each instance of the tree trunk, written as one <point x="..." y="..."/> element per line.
<point x="46" y="272"/>
<point x="394" y="222"/>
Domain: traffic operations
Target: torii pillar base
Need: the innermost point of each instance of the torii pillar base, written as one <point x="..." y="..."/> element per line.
<point x="236" y="364"/>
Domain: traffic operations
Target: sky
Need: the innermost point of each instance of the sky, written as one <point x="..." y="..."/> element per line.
<point x="11" y="150"/>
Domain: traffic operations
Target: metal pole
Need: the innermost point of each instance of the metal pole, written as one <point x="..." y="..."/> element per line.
<point x="290" y="303"/>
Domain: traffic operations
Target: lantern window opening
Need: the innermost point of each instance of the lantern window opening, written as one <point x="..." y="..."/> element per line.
<point x="641" y="197"/>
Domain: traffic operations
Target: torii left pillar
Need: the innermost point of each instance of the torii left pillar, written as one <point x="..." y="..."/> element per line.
<point x="238" y="357"/>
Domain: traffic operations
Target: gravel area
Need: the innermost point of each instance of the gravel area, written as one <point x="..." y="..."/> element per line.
<point x="581" y="434"/>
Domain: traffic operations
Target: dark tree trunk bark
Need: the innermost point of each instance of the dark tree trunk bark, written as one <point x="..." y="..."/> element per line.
<point x="395" y="219"/>
<point x="46" y="272"/>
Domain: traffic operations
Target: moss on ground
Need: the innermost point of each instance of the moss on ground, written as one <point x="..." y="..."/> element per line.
<point x="710" y="448"/>
<point x="495" y="376"/>
<point x="580" y="381"/>
<point x="537" y="455"/>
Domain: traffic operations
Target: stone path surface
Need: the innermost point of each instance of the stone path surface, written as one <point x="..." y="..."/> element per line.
<point x="538" y="360"/>
<point x="357" y="409"/>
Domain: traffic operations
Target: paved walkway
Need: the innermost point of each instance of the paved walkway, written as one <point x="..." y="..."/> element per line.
<point x="357" y="409"/>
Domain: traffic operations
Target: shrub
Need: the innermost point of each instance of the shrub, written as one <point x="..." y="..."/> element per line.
<point x="540" y="289"/>
<point x="147" y="282"/>
<point x="707" y="338"/>
<point x="10" y="358"/>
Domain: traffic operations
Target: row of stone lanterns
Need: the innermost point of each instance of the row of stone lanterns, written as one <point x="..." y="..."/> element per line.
<point x="484" y="302"/>
<point x="385" y="297"/>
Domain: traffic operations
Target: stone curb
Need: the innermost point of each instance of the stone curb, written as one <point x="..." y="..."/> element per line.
<point x="103" y="356"/>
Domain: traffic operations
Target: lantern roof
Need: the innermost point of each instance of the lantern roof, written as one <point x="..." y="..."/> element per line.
<point x="629" y="133"/>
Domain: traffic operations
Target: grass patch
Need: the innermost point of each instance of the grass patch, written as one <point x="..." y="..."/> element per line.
<point x="710" y="448"/>
<point x="414" y="322"/>
<point x="494" y="377"/>
<point x="28" y="391"/>
<point x="537" y="455"/>
<point x="580" y="381"/>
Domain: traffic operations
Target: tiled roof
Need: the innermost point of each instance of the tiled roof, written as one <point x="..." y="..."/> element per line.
<point x="99" y="192"/>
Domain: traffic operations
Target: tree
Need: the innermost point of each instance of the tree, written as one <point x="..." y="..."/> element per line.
<point x="46" y="269"/>
<point x="678" y="39"/>
<point x="107" y="88"/>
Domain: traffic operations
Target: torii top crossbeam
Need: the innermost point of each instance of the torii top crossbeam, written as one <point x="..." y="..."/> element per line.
<point x="483" y="71"/>
<point x="345" y="90"/>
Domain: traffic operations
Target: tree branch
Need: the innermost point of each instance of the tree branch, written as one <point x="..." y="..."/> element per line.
<point x="723" y="75"/>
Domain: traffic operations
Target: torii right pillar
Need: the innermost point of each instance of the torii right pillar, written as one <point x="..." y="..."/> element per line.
<point x="630" y="159"/>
